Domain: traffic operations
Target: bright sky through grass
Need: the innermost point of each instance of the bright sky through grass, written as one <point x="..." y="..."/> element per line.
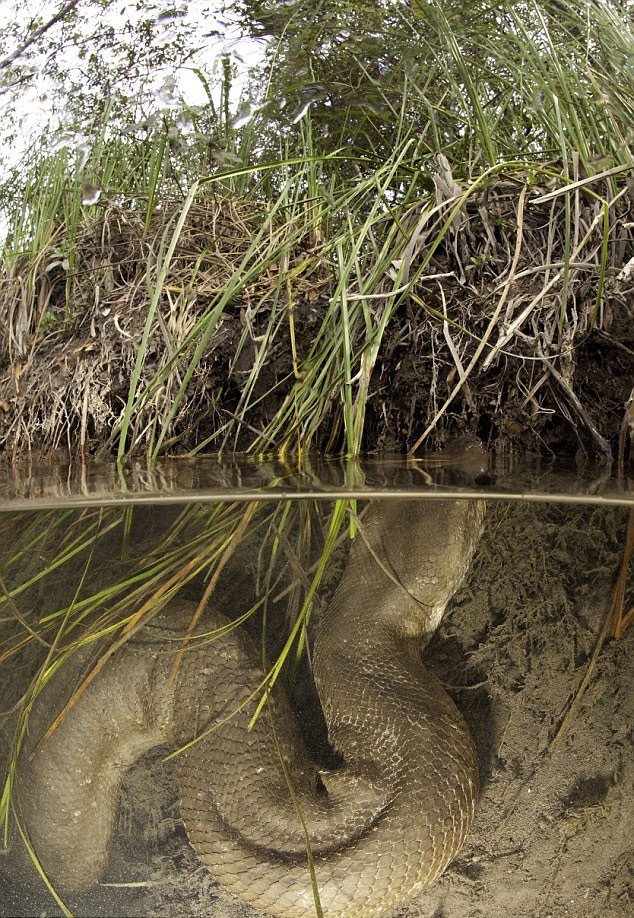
<point x="36" y="109"/>
<point x="40" y="106"/>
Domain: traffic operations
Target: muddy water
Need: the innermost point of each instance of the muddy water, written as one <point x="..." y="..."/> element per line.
<point x="551" y="829"/>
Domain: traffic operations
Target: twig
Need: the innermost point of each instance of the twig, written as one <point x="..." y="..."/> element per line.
<point x="619" y="619"/>
<point x="259" y="433"/>
<point x="452" y="349"/>
<point x="627" y="426"/>
<point x="580" y="183"/>
<point x="615" y="624"/>
<point x="489" y="330"/>
<point x="600" y="442"/>
<point x="67" y="8"/>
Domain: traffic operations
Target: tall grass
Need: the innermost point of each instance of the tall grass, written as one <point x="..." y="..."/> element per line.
<point x="539" y="92"/>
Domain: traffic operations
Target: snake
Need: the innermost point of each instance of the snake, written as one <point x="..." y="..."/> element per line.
<point x="278" y="830"/>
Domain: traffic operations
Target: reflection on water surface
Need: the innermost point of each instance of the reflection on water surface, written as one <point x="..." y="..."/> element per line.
<point x="457" y="471"/>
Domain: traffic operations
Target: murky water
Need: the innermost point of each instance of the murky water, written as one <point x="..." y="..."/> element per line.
<point x="512" y="650"/>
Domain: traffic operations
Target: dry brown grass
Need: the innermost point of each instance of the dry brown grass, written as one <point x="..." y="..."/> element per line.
<point x="538" y="308"/>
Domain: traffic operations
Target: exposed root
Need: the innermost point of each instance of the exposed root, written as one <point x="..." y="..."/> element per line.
<point x="253" y="348"/>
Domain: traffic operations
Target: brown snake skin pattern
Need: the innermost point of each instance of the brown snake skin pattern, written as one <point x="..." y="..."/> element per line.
<point x="381" y="828"/>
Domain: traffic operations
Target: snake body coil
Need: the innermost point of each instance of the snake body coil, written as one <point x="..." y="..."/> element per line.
<point x="381" y="828"/>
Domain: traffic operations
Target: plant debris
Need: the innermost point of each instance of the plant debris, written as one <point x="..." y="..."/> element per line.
<point x="267" y="337"/>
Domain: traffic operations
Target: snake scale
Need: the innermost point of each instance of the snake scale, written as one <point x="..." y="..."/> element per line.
<point x="382" y="827"/>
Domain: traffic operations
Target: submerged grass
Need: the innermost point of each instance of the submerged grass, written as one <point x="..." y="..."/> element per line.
<point x="106" y="609"/>
<point x="199" y="542"/>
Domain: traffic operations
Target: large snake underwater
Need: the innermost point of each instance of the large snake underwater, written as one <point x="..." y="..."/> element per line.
<point x="382" y="827"/>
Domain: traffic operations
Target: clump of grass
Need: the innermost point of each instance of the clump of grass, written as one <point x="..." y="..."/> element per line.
<point x="224" y="323"/>
<point x="478" y="82"/>
<point x="257" y="290"/>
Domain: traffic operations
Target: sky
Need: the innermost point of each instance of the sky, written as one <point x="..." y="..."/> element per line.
<point x="39" y="105"/>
